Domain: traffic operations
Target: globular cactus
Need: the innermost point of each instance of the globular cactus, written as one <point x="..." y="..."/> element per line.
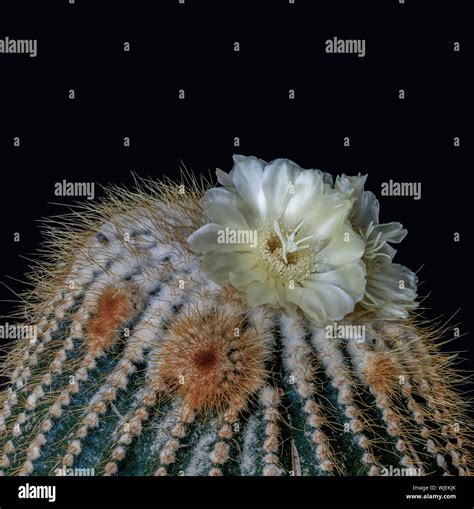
<point x="144" y="365"/>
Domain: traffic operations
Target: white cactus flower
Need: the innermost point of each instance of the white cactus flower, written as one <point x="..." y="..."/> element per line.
<point x="280" y="234"/>
<point x="391" y="288"/>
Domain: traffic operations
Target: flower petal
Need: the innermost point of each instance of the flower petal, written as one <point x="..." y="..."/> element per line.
<point x="336" y="302"/>
<point x="277" y="178"/>
<point x="391" y="291"/>
<point x="242" y="277"/>
<point x="224" y="178"/>
<point x="211" y="237"/>
<point x="219" y="265"/>
<point x="327" y="217"/>
<point x="307" y="187"/>
<point x="258" y="293"/>
<point x="226" y="208"/>
<point x="390" y="232"/>
<point x="247" y="177"/>
<point x="349" y="277"/>
<point x="344" y="247"/>
<point x="366" y="210"/>
<point x="238" y="158"/>
<point x="307" y="300"/>
<point x="330" y="295"/>
<point x="350" y="186"/>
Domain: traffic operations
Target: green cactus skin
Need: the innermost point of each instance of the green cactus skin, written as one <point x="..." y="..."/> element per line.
<point x="93" y="394"/>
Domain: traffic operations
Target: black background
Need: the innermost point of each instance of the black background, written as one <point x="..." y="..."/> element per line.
<point x="246" y="95"/>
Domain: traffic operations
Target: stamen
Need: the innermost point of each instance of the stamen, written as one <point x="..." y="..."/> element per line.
<point x="276" y="226"/>
<point x="288" y="244"/>
<point x="295" y="244"/>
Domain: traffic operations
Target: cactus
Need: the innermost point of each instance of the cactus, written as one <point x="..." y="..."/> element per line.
<point x="143" y="365"/>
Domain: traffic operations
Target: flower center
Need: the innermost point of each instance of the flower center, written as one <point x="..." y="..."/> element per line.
<point x="284" y="256"/>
